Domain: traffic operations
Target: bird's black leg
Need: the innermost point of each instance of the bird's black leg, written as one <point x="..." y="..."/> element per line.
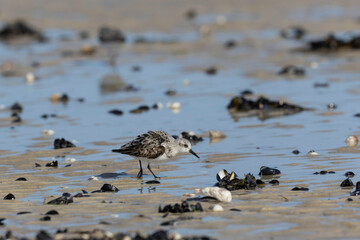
<point x="139" y="175"/>
<point x="148" y="166"/>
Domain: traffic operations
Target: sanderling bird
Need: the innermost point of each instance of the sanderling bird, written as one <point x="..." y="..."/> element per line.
<point x="155" y="145"/>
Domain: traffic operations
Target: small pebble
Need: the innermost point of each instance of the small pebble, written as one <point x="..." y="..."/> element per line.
<point x="352" y="141"/>
<point x="116" y="112"/>
<point x="21" y="179"/>
<point x="170" y="92"/>
<point x="93" y="178"/>
<point x="300" y="189"/>
<point x="70" y="160"/>
<point x="331" y="106"/>
<point x="52" y="212"/>
<point x="296" y="152"/>
<point x="349" y="174"/>
<point x="158" y="105"/>
<point x="274" y="182"/>
<point x="211" y="71"/>
<point x="350" y="199"/>
<point x="30" y="78"/>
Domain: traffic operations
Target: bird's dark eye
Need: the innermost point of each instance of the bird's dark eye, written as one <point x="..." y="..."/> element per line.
<point x="186" y="145"/>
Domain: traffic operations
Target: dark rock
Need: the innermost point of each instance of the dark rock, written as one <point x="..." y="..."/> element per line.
<point x="20" y="29"/>
<point x="259" y="182"/>
<point x="52" y="164"/>
<point x="300" y="189"/>
<point x="2" y="223"/>
<point x="350" y="199"/>
<point x="37" y="165"/>
<point x="296" y="152"/>
<point x="46" y="218"/>
<point x="191" y="14"/>
<point x="16" y="108"/>
<point x="109" y="188"/>
<point x="116" y="112"/>
<point x="211" y="71"/>
<point x="64" y="199"/>
<point x="246" y="92"/>
<point x="323" y="172"/>
<point x="110" y="35"/>
<point x="230" y="44"/>
<point x="274" y="182"/>
<point x="170" y="92"/>
<point x="357" y="115"/>
<point x="22" y="213"/>
<point x="21" y="179"/>
<point x="235" y="210"/>
<point x="268" y="171"/>
<point x="292" y="70"/>
<point x="52" y="212"/>
<point x="10" y="196"/>
<point x="349" y="174"/>
<point x="347" y="183"/>
<point x="62" y="143"/>
<point x="45" y="116"/>
<point x="43" y="235"/>
<point x="152" y="182"/>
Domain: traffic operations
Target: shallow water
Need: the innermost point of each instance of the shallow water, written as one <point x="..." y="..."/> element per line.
<point x="250" y="142"/>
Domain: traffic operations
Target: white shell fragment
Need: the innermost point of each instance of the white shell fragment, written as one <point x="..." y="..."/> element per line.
<point x="48" y="132"/>
<point x="216" y="135"/>
<point x="70" y="160"/>
<point x="220" y="194"/>
<point x="30" y="78"/>
<point x="186" y="82"/>
<point x="93" y="178"/>
<point x="352" y="141"/>
<point x="313" y="153"/>
<point x="217" y="208"/>
<point x="189" y="195"/>
<point x="174" y="106"/>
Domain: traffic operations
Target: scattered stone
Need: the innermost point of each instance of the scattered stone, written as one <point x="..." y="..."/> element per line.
<point x="295" y="32"/>
<point x="152" y="182"/>
<point x="87" y="50"/>
<point x="52" y="164"/>
<point x="46" y="218"/>
<point x="357" y="115"/>
<point x="21" y="179"/>
<point x="111" y="35"/>
<point x="235" y="210"/>
<point x="347" y="183"/>
<point x="62" y="143"/>
<point x="350" y="199"/>
<point x="300" y="189"/>
<point x="43" y="235"/>
<point x="140" y="109"/>
<point x="22" y="213"/>
<point x="352" y="141"/>
<point x="107" y="188"/>
<point x="230" y="44"/>
<point x="292" y="70"/>
<point x="10" y="196"/>
<point x="274" y="182"/>
<point x="3" y="224"/>
<point x="93" y="178"/>
<point x="64" y="199"/>
<point x="52" y="212"/>
<point x="170" y="92"/>
<point x="116" y="112"/>
<point x="181" y="208"/>
<point x="37" y="165"/>
<point x="349" y="174"/>
<point x="332" y="43"/>
<point x="268" y="171"/>
<point x="211" y="71"/>
<point x="191" y="14"/>
<point x="16" y="108"/>
<point x="20" y="29"/>
<point x="296" y="152"/>
<point x="220" y="194"/>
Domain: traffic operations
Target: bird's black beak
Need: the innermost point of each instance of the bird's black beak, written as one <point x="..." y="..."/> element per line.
<point x="193" y="153"/>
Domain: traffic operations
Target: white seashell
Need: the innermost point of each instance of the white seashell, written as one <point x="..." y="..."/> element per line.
<point x="186" y="82"/>
<point x="93" y="178"/>
<point x="175" y="236"/>
<point x="217" y="208"/>
<point x="159" y="105"/>
<point x="314" y="65"/>
<point x="70" y="160"/>
<point x="313" y="153"/>
<point x="30" y="78"/>
<point x="189" y="195"/>
<point x="48" y="132"/>
<point x="173" y="105"/>
<point x="220" y="194"/>
<point x="352" y="141"/>
<point x="221" y="174"/>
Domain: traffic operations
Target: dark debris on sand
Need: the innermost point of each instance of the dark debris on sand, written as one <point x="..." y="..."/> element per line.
<point x="62" y="143"/>
<point x="20" y="29"/>
<point x="262" y="107"/>
<point x="331" y="43"/>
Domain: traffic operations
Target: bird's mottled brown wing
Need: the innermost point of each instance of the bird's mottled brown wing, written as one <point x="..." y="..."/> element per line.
<point x="147" y="145"/>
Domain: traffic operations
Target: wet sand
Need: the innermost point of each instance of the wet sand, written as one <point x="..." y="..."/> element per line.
<point x="272" y="212"/>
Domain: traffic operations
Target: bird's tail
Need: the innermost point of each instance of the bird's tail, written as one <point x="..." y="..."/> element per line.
<point x="117" y="150"/>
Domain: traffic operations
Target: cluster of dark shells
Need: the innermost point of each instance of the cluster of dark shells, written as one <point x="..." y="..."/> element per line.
<point x="181" y="208"/>
<point x="62" y="143"/>
<point x="263" y="108"/>
<point x="333" y="43"/>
